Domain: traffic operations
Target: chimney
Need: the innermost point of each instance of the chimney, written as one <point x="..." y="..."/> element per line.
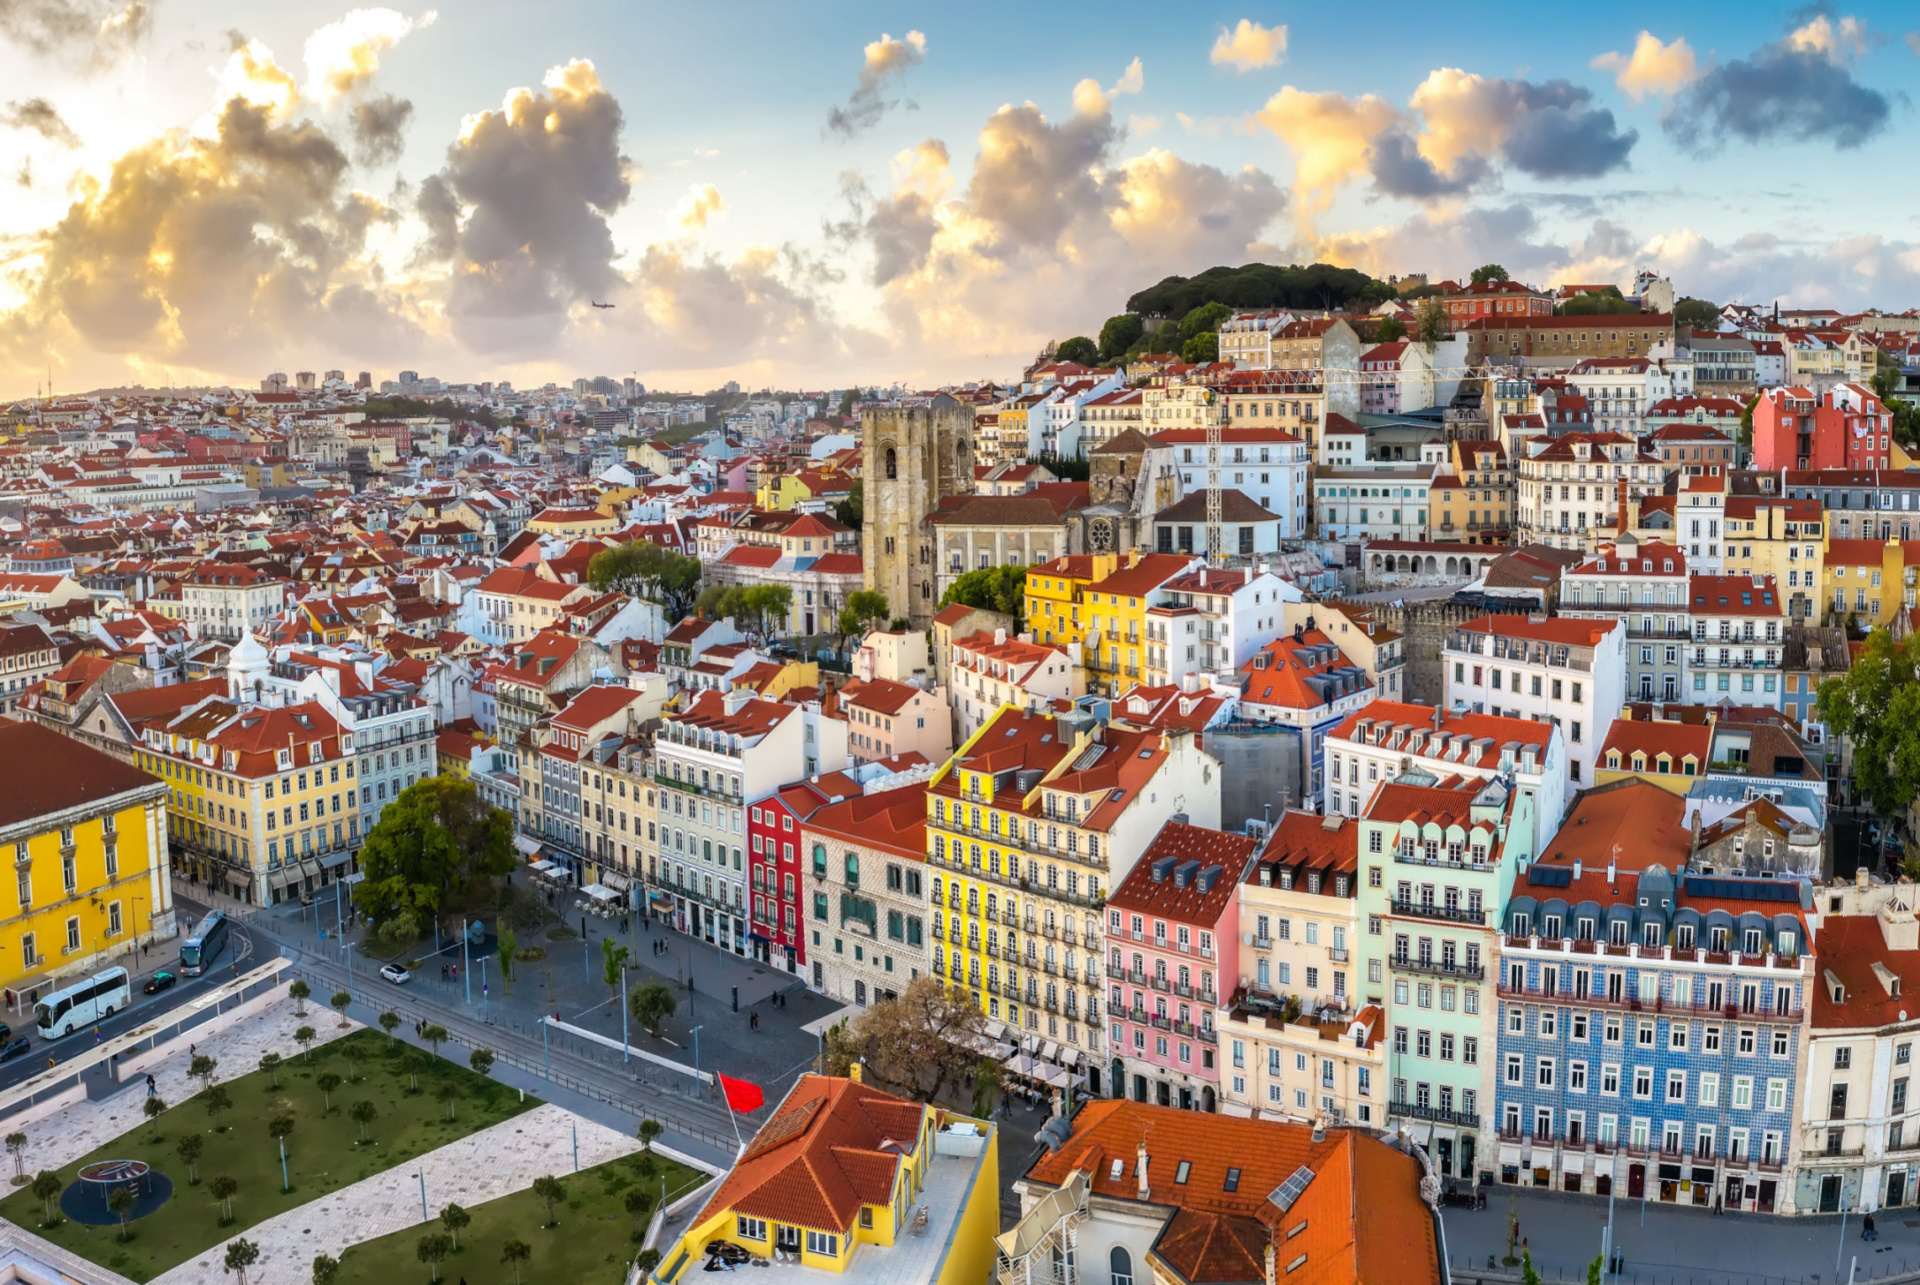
<point x="1609" y="869"/>
<point x="1140" y="1169"/>
<point x="853" y="1072"/>
<point x="1269" y="1258"/>
<point x="1693" y="844"/>
<point x="1576" y="869"/>
<point x="1000" y="637"/>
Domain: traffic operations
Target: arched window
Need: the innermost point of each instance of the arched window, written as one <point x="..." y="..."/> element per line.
<point x="820" y="859"/>
<point x="853" y="870"/>
<point x="1120" y="1266"/>
<point x="893" y="467"/>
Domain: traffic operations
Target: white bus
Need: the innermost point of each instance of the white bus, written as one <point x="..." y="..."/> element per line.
<point x="83" y="1003"/>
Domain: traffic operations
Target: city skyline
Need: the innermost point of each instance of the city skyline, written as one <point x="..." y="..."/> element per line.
<point x="203" y="194"/>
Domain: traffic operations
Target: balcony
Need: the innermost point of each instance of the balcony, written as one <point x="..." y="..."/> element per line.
<point x="1429" y="910"/>
<point x="1415" y="1111"/>
<point x="1435" y="968"/>
<point x="1338" y="954"/>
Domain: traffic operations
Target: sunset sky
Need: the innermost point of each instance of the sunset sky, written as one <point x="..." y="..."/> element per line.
<point x="807" y="195"/>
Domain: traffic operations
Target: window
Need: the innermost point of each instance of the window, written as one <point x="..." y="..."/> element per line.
<point x="1120" y="1266"/>
<point x="752" y="1228"/>
<point x="824" y="1243"/>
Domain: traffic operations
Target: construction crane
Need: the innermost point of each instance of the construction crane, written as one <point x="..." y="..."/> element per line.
<point x="1216" y="532"/>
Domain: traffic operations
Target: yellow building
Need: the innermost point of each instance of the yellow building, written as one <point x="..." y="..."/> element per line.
<point x="1865" y="579"/>
<point x="1052" y="606"/>
<point x="1671" y="755"/>
<point x="575" y="524"/>
<point x="782" y="493"/>
<point x="262" y="803"/>
<point x="1785" y="539"/>
<point x="1100" y="602"/>
<point x="1477" y="497"/>
<point x="848" y="1179"/>
<point x="89" y="857"/>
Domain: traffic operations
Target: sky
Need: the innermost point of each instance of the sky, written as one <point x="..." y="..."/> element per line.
<point x="804" y="196"/>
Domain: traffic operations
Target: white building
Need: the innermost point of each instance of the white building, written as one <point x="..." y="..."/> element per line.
<point x="1381" y="502"/>
<point x="1569" y="672"/>
<point x="1575" y="484"/>
<point x="1644" y="585"/>
<point x="1267" y="465"/>
<point x="989" y="670"/>
<point x="1212" y="621"/>
<point x="1620" y="389"/>
<point x="1737" y="639"/>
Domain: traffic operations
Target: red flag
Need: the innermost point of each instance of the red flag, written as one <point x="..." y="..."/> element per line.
<point x="741" y="1095"/>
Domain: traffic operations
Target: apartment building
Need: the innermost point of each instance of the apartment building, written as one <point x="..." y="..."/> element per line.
<point x="1288" y="401"/>
<point x="1033" y="820"/>
<point x="1620" y="389"/>
<point x="1265" y="464"/>
<point x="1379" y="651"/>
<point x="1578" y="484"/>
<point x="987" y="671"/>
<point x="1555" y="343"/>
<point x="514" y="603"/>
<point x="1695" y="434"/>
<point x="1170" y="925"/>
<point x="1650" y="1018"/>
<point x="886" y="718"/>
<point x="1246" y="338"/>
<point x="866" y="921"/>
<point x="1439" y="856"/>
<point x="1303" y="687"/>
<point x="1495" y="299"/>
<point x="565" y="779"/>
<point x="1785" y="539"/>
<point x="1737" y="624"/>
<point x="28" y="656"/>
<point x="88" y="833"/>
<point x="1373" y="502"/>
<point x="1644" y="585"/>
<point x="1569" y="672"/>
<point x="227" y="600"/>
<point x="1843" y="427"/>
<point x="711" y="759"/>
<point x="1213" y="620"/>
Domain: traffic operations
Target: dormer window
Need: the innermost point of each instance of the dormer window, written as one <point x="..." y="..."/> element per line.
<point x="1751" y="945"/>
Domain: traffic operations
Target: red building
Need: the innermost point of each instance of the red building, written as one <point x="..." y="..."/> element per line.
<point x="777" y="930"/>
<point x="1847" y="427"/>
<point x="1496" y="299"/>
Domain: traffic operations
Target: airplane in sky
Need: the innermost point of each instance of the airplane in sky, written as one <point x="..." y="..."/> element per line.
<point x="596" y="303"/>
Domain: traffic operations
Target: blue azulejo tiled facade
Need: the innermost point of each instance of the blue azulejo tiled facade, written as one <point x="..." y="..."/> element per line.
<point x="1649" y="1035"/>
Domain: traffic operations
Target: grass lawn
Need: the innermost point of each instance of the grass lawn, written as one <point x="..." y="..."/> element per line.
<point x="323" y="1151"/>
<point x="592" y="1244"/>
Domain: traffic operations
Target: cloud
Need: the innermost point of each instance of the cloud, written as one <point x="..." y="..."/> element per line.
<point x="1250" y="46"/>
<point x="1799" y="89"/>
<point x="100" y="33"/>
<point x="251" y="75"/>
<point x="1913" y="41"/>
<point x="885" y="59"/>
<point x="1652" y="68"/>
<point x="215" y="252"/>
<point x="1549" y="130"/>
<point x="342" y="56"/>
<point x="40" y="116"/>
<point x="529" y="188"/>
<point x="699" y="205"/>
<point x="379" y="123"/>
<point x="1091" y="100"/>
<point x="1331" y="137"/>
<point x="1399" y="169"/>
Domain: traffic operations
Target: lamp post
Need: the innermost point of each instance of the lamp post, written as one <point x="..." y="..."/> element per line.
<point x="696" y="1061"/>
<point x="626" y="1053"/>
<point x="464" y="975"/>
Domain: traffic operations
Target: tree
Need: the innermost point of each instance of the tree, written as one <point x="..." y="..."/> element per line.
<point x="613" y="960"/>
<point x="650" y="1129"/>
<point x="1119" y="334"/>
<point x="300" y="991"/>
<point x="270" y="1063"/>
<point x="1430" y="323"/>
<point x="17" y="1148"/>
<point x="1390" y="330"/>
<point x="925" y="1041"/>
<point x="1002" y="589"/>
<point x="1876" y="705"/>
<point x="350" y="1051"/>
<point x="363" y="1113"/>
<point x="866" y="609"/>
<point x="639" y="1201"/>
<point x="646" y="1261"/>
<point x="1490" y="272"/>
<point x="1528" y="1274"/>
<point x="224" y="1188"/>
<point x="508" y="943"/>
<point x="241" y="1255"/>
<point x="437" y="836"/>
<point x="1079" y="349"/>
<point x="48" y="1186"/>
<point x="327" y="1082"/>
<point x="155" y="1107"/>
<point x="121" y="1202"/>
<point x="339" y="1004"/>
<point x="1595" y="303"/>
<point x="1696" y="314"/>
<point x="651" y="1005"/>
<point x="202" y="1068"/>
<point x="1202" y="348"/>
<point x="1204" y="320"/>
<point x="189" y="1149"/>
<point x="389" y="1022"/>
<point x="455" y="1220"/>
<point x="481" y="1060"/>
<point x="986" y="1086"/>
<point x="1594" y="1269"/>
<point x="305" y="1037"/>
<point x="852" y="510"/>
<point x="326" y="1270"/>
<point x="758" y="611"/>
<point x="1260" y="285"/>
<point x="552" y="1191"/>
<point x="514" y="1253"/>
<point x="413" y="1061"/>
<point x="435" y="1036"/>
<point x="216" y="1101"/>
<point x="433" y="1250"/>
<point x="1886" y="381"/>
<point x="448" y="1092"/>
<point x="647" y="571"/>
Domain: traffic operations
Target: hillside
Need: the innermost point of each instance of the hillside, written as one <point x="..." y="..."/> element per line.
<point x="1261" y="285"/>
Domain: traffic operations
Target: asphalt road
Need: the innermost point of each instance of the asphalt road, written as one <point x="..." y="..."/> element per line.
<point x="239" y="950"/>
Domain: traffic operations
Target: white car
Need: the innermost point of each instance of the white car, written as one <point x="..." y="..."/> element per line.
<point x="395" y="974"/>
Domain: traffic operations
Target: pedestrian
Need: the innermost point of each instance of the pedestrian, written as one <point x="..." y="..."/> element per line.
<point x="190" y="1049"/>
<point x="1866" y="1229"/>
<point x="151" y="1087"/>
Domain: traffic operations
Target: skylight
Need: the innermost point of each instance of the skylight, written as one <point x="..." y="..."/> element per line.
<point x="1233" y="1180"/>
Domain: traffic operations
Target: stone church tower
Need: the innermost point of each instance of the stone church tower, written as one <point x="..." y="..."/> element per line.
<point x="911" y="456"/>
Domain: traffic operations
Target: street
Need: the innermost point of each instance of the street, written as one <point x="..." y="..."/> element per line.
<point x="145" y="1008"/>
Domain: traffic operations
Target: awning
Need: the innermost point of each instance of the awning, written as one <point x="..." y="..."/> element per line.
<point x="599" y="893"/>
<point x="542" y="867"/>
<point x="1421" y="1132"/>
<point x="1049" y="1051"/>
<point x="616" y="880"/>
<point x="527" y="845"/>
<point x="282" y="876"/>
<point x="819" y="1026"/>
<point x="335" y="859"/>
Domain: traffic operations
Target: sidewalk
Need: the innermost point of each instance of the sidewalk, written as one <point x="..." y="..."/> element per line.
<point x="1689" y="1245"/>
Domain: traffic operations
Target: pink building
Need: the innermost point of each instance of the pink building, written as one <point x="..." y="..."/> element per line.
<point x="1167" y="924"/>
<point x="1380" y="378"/>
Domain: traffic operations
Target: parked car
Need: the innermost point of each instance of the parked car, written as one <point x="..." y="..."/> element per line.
<point x="395" y="974"/>
<point x="160" y="981"/>
<point x="14" y="1048"/>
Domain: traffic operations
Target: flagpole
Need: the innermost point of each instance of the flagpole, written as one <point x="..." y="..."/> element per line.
<point x="732" y="1118"/>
